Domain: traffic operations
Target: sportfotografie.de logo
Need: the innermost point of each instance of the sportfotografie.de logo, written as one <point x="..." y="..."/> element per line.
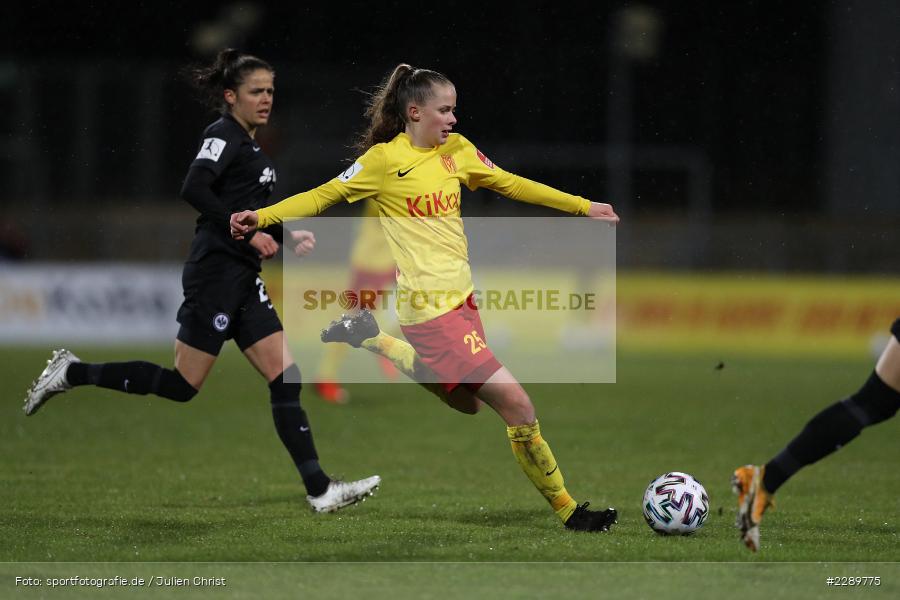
<point x="490" y="299"/>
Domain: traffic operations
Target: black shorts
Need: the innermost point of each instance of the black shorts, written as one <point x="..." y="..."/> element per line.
<point x="895" y="329"/>
<point x="224" y="299"/>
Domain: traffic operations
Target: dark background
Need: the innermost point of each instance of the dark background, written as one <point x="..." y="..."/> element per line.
<point x="729" y="125"/>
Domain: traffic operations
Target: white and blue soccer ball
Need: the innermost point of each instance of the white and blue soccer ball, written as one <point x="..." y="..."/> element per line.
<point x="675" y="504"/>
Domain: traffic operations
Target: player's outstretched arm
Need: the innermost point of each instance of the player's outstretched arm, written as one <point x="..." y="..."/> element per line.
<point x="522" y="189"/>
<point x="243" y="223"/>
<point x="603" y="212"/>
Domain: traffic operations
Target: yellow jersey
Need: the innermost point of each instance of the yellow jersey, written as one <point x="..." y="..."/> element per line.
<point x="370" y="252"/>
<point x="418" y="193"/>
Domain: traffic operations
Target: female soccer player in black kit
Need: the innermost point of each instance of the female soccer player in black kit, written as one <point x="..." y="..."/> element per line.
<point x="224" y="297"/>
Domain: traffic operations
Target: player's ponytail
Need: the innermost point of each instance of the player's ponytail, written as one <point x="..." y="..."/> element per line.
<point x="226" y="73"/>
<point x="386" y="109"/>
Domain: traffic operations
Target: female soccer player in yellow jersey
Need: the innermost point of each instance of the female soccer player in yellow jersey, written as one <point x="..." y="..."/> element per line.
<point x="413" y="166"/>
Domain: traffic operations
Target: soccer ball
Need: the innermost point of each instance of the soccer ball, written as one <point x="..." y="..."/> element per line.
<point x="675" y="504"/>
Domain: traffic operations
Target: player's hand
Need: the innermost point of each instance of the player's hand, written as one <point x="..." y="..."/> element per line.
<point x="265" y="244"/>
<point x="305" y="242"/>
<point x="243" y="223"/>
<point x="603" y="212"/>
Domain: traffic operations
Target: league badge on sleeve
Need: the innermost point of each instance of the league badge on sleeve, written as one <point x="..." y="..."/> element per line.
<point x="484" y="159"/>
<point x="211" y="149"/>
<point x="350" y="172"/>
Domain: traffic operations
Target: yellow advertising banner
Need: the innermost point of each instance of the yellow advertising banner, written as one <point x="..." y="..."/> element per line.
<point x="733" y="312"/>
<point x="756" y="313"/>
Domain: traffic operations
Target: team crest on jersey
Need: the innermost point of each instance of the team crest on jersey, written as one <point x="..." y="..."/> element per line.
<point x="350" y="173"/>
<point x="484" y="158"/>
<point x="220" y="322"/>
<point x="268" y="176"/>
<point x="211" y="149"/>
<point x="449" y="163"/>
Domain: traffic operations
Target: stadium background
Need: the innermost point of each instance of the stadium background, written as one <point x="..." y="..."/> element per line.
<point x="751" y="151"/>
<point x="730" y="140"/>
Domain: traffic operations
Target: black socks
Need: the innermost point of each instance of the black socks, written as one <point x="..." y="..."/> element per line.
<point x="139" y="377"/>
<point x="135" y="377"/>
<point x="294" y="430"/>
<point x="832" y="428"/>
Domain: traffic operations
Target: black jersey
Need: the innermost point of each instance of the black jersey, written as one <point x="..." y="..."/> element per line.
<point x="244" y="178"/>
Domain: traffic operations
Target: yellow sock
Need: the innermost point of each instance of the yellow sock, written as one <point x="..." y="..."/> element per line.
<point x="395" y="350"/>
<point x="331" y="361"/>
<point x="406" y="360"/>
<point x="534" y="456"/>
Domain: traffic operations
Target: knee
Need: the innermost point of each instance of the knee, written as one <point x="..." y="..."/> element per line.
<point x="177" y="387"/>
<point x="287" y="386"/>
<point x="519" y="401"/>
<point x="874" y="402"/>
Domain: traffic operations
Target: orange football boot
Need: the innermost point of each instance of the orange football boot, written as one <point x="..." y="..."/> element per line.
<point x="753" y="500"/>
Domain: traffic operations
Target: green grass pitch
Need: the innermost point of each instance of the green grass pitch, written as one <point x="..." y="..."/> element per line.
<point x="102" y="477"/>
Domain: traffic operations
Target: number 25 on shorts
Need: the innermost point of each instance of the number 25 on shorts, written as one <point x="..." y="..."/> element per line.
<point x="476" y="344"/>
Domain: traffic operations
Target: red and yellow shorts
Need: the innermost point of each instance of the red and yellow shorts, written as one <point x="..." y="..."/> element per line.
<point x="454" y="346"/>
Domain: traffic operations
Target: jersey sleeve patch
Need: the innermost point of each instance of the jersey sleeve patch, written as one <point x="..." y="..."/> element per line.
<point x="484" y="158"/>
<point x="211" y="149"/>
<point x="350" y="173"/>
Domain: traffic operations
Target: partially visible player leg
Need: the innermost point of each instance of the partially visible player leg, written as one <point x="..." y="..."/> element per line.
<point x="878" y="400"/>
<point x="272" y="358"/>
<point x="361" y="330"/>
<point x="65" y="371"/>
<point x="443" y="343"/>
<point x="888" y="365"/>
<point x="194" y="364"/>
<point x="211" y="289"/>
<point x="403" y="356"/>
<point x="503" y="393"/>
<point x="326" y="384"/>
